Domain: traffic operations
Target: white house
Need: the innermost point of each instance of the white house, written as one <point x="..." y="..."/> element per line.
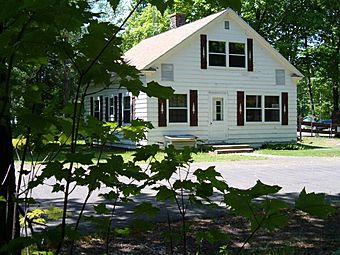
<point x="230" y="85"/>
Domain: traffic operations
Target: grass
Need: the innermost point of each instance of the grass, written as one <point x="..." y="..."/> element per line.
<point x="309" y="147"/>
<point x="128" y="155"/>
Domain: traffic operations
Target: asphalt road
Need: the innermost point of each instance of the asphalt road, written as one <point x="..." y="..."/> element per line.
<point x="316" y="174"/>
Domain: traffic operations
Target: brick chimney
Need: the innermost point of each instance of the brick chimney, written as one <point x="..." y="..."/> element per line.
<point x="177" y="19"/>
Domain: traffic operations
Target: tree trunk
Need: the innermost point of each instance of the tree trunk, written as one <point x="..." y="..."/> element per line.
<point x="335" y="76"/>
<point x="309" y="79"/>
<point x="9" y="227"/>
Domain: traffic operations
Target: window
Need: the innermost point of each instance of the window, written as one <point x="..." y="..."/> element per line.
<point x="178" y="108"/>
<point x="237" y="55"/>
<point x="97" y="108"/>
<point x="167" y="71"/>
<point x="111" y="109"/>
<point x="217" y="53"/>
<point x="226" y="24"/>
<point x="280" y="77"/>
<point x="253" y="109"/>
<point x="272" y="108"/>
<point x="127" y="110"/>
<point x="218" y="109"/>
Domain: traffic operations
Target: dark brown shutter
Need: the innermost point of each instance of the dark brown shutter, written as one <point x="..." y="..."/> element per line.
<point x="193" y="108"/>
<point x="133" y="108"/>
<point x="161" y="112"/>
<point x="250" y="55"/>
<point x="284" y="108"/>
<point x="101" y="108"/>
<point x="116" y="108"/>
<point x="91" y="106"/>
<point x="106" y="109"/>
<point x="120" y="109"/>
<point x="203" y="51"/>
<point x="240" y="108"/>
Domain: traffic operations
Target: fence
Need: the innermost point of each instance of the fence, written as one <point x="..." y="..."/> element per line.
<point x="315" y="128"/>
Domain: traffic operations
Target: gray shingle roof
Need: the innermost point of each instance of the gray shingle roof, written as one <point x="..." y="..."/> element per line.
<point x="150" y="49"/>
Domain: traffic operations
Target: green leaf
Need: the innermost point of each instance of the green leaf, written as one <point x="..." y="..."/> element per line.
<point x="186" y="184"/>
<point x="101" y="209"/>
<point x="145" y="152"/>
<point x="261" y="189"/>
<point x="58" y="187"/>
<point x="204" y="190"/>
<point x="314" y="204"/>
<point x="141" y="225"/>
<point x="17" y="245"/>
<point x="154" y="89"/>
<point x="2" y="199"/>
<point x="122" y="231"/>
<point x="164" y="194"/>
<point x="81" y="158"/>
<point x="146" y="209"/>
<point x="208" y="174"/>
<point x="236" y="5"/>
<point x="212" y="235"/>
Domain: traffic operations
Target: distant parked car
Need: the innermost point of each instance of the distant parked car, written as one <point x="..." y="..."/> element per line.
<point x="326" y="121"/>
<point x="310" y="119"/>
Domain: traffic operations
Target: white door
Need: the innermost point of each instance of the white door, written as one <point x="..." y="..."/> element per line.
<point x="217" y="122"/>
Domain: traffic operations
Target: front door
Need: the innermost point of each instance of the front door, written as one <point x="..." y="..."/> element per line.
<point x="217" y="130"/>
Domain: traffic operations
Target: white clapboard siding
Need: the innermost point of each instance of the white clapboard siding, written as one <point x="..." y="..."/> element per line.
<point x="188" y="75"/>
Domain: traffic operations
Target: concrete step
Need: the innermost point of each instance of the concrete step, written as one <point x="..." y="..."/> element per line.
<point x="231" y="148"/>
<point x="226" y="151"/>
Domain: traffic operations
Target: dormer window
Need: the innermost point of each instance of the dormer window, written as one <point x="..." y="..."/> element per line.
<point x="237" y="54"/>
<point x="217" y="53"/>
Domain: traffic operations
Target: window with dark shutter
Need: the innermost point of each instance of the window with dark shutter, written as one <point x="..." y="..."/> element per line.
<point x="120" y="109"/>
<point x="193" y="108"/>
<point x="178" y="108"/>
<point x="240" y="108"/>
<point x="116" y="109"/>
<point x="133" y="108"/>
<point x="106" y="109"/>
<point x="284" y="102"/>
<point x="250" y="58"/>
<point x="161" y="112"/>
<point x="101" y="108"/>
<point x="217" y="53"/>
<point x="91" y="106"/>
<point x="237" y="54"/>
<point x="127" y="110"/>
<point x="203" y="51"/>
<point x="111" y="114"/>
<point x="96" y="111"/>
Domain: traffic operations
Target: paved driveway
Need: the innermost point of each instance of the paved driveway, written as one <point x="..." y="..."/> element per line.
<point x="291" y="173"/>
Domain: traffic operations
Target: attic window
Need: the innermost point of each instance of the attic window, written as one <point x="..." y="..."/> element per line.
<point x="167" y="72"/>
<point x="237" y="55"/>
<point x="226" y="24"/>
<point x="280" y="77"/>
<point x="217" y="53"/>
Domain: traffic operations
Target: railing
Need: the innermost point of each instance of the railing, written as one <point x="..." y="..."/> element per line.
<point x="315" y="128"/>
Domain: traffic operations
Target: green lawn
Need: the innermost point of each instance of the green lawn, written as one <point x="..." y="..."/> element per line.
<point x="309" y="147"/>
<point x="128" y="155"/>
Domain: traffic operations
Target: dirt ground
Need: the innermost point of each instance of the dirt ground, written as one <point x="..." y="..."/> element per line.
<point x="302" y="235"/>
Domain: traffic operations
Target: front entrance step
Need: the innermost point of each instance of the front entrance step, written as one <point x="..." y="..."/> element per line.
<point x="231" y="148"/>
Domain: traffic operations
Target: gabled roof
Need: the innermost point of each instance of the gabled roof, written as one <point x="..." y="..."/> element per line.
<point x="145" y="53"/>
